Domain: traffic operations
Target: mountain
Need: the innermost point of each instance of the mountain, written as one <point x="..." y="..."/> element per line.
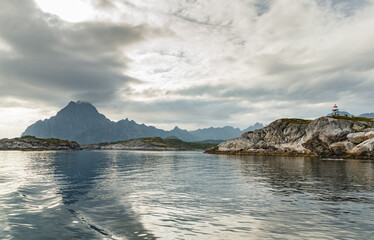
<point x="342" y="113"/>
<point x="81" y="122"/>
<point x="223" y="132"/>
<point x="367" y="115"/>
<point x="335" y="137"/>
<point x="217" y="133"/>
<point x="182" y="134"/>
<point x="254" y="127"/>
<point x="78" y="121"/>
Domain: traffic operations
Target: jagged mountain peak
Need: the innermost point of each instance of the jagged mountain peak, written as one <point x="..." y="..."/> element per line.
<point x="80" y="121"/>
<point x="79" y="107"/>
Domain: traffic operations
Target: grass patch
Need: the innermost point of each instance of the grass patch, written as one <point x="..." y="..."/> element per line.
<point x="353" y="118"/>
<point x="49" y="140"/>
<point x="296" y="120"/>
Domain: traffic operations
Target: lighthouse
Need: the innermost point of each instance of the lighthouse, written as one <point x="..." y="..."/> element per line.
<point x="335" y="110"/>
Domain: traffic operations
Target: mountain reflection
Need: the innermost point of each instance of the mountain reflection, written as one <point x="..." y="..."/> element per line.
<point x="325" y="180"/>
<point x="83" y="182"/>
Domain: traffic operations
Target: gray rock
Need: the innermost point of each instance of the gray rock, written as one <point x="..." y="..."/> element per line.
<point x="341" y="148"/>
<point x="369" y="135"/>
<point x="365" y="148"/>
<point x="356" y="138"/>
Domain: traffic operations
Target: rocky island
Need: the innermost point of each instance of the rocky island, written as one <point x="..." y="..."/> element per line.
<point x="30" y="143"/>
<point x="151" y="144"/>
<point x="332" y="137"/>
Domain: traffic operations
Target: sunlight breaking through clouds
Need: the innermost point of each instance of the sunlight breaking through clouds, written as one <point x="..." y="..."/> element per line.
<point x="262" y="59"/>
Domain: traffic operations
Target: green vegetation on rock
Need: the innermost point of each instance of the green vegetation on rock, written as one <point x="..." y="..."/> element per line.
<point x="48" y="140"/>
<point x="353" y="118"/>
<point x="296" y="120"/>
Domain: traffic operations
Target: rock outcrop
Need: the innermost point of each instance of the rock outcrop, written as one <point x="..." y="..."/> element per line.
<point x="336" y="137"/>
<point x="30" y="143"/>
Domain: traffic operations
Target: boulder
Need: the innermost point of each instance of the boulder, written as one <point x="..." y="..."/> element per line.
<point x="318" y="144"/>
<point x="357" y="137"/>
<point x="369" y="135"/>
<point x="341" y="148"/>
<point x="364" y="149"/>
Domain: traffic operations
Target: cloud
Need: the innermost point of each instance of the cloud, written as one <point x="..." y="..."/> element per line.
<point x="52" y="59"/>
<point x="186" y="113"/>
<point x="196" y="63"/>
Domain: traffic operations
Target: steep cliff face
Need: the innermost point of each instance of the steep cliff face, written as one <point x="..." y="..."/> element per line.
<point x="323" y="137"/>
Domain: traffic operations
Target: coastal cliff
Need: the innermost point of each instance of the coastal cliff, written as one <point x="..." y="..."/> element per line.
<point x="30" y="143"/>
<point x="335" y="137"/>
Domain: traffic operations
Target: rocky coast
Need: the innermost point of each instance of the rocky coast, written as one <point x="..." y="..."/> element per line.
<point x="328" y="137"/>
<point x="30" y="143"/>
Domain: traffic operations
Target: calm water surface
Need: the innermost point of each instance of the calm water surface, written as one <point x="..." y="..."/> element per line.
<point x="183" y="195"/>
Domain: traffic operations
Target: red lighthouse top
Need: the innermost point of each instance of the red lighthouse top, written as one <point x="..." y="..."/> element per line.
<point x="335" y="106"/>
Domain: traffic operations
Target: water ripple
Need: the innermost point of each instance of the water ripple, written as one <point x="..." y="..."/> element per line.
<point x="182" y="195"/>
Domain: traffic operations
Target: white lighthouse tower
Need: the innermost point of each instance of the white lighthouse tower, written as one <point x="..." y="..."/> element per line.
<point x="335" y="110"/>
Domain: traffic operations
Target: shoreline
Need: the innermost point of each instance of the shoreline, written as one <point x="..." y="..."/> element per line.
<point x="289" y="155"/>
<point x="76" y="150"/>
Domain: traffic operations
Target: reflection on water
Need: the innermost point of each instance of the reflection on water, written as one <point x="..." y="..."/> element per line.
<point x="182" y="195"/>
<point x="89" y="192"/>
<point x="326" y="179"/>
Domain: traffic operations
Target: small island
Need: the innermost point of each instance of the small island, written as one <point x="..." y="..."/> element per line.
<point x="328" y="137"/>
<point x="151" y="144"/>
<point x="31" y="143"/>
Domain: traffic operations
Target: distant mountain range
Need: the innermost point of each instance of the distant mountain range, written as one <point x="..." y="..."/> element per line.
<point x="81" y="122"/>
<point x="343" y="113"/>
<point x="367" y="115"/>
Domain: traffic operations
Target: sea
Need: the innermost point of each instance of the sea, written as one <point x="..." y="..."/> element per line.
<point x="183" y="195"/>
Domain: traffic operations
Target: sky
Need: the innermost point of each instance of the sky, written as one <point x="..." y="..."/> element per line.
<point x="191" y="63"/>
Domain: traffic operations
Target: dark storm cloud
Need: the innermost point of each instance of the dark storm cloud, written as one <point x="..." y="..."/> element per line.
<point x="53" y="59"/>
